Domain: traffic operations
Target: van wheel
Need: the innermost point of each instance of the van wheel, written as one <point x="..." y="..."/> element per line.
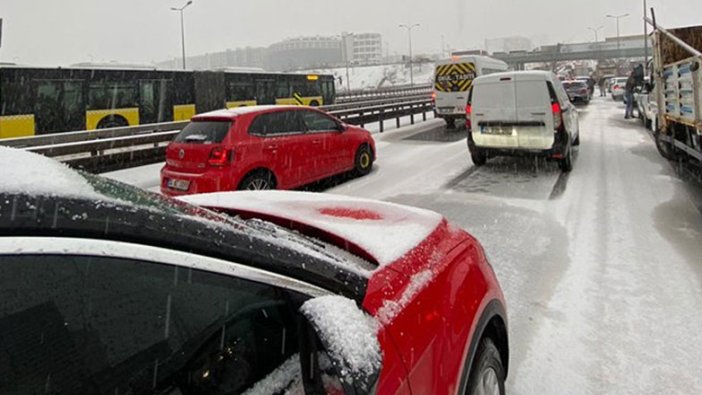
<point x="258" y="181"/>
<point x="363" y="162"/>
<point x="479" y="157"/>
<point x="488" y="374"/>
<point x="566" y="164"/>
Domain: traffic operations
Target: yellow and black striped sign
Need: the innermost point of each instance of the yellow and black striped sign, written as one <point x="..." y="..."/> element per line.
<point x="298" y="99"/>
<point x="456" y="77"/>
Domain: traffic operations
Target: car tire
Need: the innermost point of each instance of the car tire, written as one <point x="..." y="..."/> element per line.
<point x="488" y="373"/>
<point x="363" y="162"/>
<point x="257" y="181"/>
<point x="566" y="164"/>
<point x="479" y="157"/>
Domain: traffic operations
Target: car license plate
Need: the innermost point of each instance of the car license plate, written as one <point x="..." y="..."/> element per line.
<point x="181" y="185"/>
<point x="499" y="131"/>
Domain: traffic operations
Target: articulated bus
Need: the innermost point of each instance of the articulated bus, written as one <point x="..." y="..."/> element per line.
<point x="48" y="100"/>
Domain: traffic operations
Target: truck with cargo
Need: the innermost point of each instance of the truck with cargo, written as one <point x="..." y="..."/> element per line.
<point x="677" y="82"/>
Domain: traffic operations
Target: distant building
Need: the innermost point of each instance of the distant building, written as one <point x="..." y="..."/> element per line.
<point x="508" y="44"/>
<point x="292" y="54"/>
<point x="304" y="52"/>
<point x="367" y="48"/>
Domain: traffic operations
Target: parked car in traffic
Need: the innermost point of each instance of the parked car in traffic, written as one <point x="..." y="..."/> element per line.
<point x="110" y="289"/>
<point x="577" y="91"/>
<point x="618" y="87"/>
<point x="263" y="147"/>
<point x="522" y="113"/>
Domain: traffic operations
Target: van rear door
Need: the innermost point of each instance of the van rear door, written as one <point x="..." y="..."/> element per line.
<point x="494" y="111"/>
<point x="452" y="82"/>
<point x="534" y="113"/>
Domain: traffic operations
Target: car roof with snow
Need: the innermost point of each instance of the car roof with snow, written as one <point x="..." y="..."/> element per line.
<point x="534" y="75"/>
<point x="42" y="197"/>
<point x="232" y="113"/>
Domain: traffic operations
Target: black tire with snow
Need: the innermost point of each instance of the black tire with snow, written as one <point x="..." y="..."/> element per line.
<point x="488" y="373"/>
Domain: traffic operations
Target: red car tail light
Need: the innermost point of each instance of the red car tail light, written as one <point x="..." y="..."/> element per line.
<point x="219" y="157"/>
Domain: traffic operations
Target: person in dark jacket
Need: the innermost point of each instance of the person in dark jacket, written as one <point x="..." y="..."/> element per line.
<point x="629" y="96"/>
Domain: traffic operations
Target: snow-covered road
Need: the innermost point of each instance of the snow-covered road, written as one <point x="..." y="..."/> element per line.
<point x="602" y="268"/>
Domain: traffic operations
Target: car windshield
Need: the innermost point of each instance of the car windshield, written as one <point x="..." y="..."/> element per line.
<point x="204" y="132"/>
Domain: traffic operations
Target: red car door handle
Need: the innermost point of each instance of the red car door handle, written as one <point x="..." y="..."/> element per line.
<point x="316" y="141"/>
<point x="272" y="146"/>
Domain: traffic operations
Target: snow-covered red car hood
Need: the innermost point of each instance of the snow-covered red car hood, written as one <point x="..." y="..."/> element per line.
<point x="384" y="232"/>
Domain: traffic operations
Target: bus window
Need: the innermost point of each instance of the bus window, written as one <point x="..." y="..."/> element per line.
<point x="282" y="89"/>
<point x="241" y="91"/>
<point x="327" y="91"/>
<point x="265" y="92"/>
<point x="59" y="106"/>
<point x="155" y="99"/>
<point x="112" y="95"/>
<point x="307" y="88"/>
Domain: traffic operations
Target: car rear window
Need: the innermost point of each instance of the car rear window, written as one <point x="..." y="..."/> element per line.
<point x="204" y="132"/>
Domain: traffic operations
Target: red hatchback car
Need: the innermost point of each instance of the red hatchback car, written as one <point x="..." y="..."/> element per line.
<point x="263" y="147"/>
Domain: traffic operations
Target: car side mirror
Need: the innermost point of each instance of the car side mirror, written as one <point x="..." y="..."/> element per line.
<point x="349" y="337"/>
<point x="341" y="127"/>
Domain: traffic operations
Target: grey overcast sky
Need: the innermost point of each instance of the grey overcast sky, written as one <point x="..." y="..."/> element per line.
<point x="61" y="32"/>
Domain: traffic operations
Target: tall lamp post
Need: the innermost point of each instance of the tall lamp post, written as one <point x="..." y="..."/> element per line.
<point x="409" y="33"/>
<point x="645" y="40"/>
<point x="182" y="27"/>
<point x="618" y="17"/>
<point x="346" y="58"/>
<point x="595" y="30"/>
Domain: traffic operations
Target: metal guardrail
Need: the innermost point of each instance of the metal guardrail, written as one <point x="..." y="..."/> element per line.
<point x="125" y="147"/>
<point x="382" y="93"/>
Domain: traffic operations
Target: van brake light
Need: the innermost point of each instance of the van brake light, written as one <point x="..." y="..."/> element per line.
<point x="557" y="115"/>
<point x="219" y="157"/>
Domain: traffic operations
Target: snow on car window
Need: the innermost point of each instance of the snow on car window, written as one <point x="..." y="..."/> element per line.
<point x="33" y="174"/>
<point x="349" y="333"/>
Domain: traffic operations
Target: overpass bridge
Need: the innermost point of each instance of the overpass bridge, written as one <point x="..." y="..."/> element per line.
<point x="574" y="52"/>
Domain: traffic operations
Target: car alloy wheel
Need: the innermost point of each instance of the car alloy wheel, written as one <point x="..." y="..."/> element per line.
<point x="364" y="160"/>
<point x="488" y="383"/>
<point x="258" y="184"/>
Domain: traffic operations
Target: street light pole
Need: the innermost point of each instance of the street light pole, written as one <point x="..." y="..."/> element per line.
<point x="595" y="31"/>
<point x="409" y="32"/>
<point x="346" y="59"/>
<point x="618" y="17"/>
<point x="182" y="27"/>
<point x="645" y="40"/>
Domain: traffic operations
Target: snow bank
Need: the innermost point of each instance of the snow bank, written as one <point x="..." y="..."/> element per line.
<point x="33" y="174"/>
<point x="350" y="334"/>
<point x="386" y="231"/>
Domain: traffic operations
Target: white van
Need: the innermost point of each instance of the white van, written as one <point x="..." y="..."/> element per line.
<point x="521" y="113"/>
<point x="452" y="81"/>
